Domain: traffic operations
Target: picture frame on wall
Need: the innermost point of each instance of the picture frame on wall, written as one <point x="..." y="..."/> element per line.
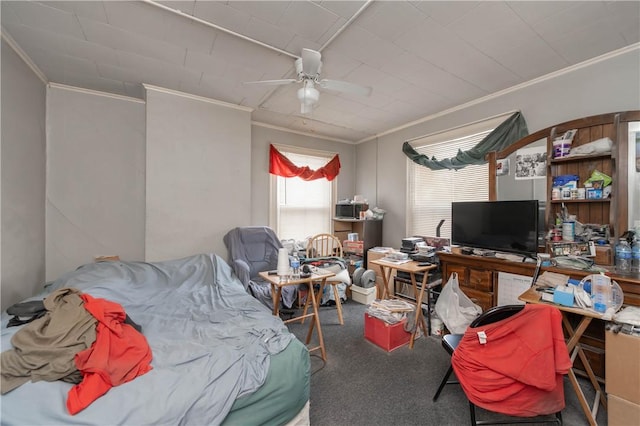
<point x="531" y="163"/>
<point x="502" y="167"/>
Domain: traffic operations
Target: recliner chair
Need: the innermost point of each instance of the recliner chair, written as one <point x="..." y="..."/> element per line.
<point x="254" y="249"/>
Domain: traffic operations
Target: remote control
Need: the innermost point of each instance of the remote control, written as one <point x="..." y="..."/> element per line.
<point x="424" y="263"/>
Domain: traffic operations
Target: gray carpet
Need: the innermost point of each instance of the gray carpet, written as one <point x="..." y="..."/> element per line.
<point x="362" y="384"/>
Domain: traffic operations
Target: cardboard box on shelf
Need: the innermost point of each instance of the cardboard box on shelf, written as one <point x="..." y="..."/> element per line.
<point x="356" y="247"/>
<point x="387" y="336"/>
<point x="604" y="255"/>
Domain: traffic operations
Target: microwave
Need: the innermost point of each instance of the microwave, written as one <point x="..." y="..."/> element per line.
<point x="350" y="210"/>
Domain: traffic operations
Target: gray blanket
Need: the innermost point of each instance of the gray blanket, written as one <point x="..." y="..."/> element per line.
<point x="211" y="343"/>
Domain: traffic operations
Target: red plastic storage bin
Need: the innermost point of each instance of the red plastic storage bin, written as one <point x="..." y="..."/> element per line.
<point x="387" y="336"/>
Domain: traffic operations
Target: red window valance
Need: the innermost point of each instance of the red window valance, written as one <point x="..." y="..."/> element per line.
<point x="281" y="166"/>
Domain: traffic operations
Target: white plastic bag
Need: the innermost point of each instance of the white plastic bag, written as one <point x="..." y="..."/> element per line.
<point x="454" y="308"/>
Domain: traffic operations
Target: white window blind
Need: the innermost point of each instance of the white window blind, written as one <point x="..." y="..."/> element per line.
<point x="431" y="192"/>
<point x="303" y="208"/>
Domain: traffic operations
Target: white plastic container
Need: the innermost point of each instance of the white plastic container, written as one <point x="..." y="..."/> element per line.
<point x="568" y="231"/>
<point x="366" y="296"/>
<point x="601" y="292"/>
<point x="561" y="148"/>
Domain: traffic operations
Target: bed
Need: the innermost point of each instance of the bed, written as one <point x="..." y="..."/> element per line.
<point x="219" y="356"/>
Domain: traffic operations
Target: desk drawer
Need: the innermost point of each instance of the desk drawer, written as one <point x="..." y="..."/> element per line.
<point x="480" y="280"/>
<point x="461" y="270"/>
<point x="485" y="300"/>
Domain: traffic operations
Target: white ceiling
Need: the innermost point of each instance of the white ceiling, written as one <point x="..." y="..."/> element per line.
<point x="420" y="57"/>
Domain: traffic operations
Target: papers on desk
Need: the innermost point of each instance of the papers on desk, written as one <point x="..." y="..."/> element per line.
<point x="395" y="261"/>
<point x="381" y="249"/>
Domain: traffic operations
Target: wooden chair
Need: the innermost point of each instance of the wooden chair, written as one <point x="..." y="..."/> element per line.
<point x="324" y="245"/>
<point x="327" y="245"/>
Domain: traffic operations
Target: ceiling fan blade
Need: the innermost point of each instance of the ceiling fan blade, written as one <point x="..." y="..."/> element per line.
<point x="311" y="62"/>
<point x="346" y="87"/>
<point x="273" y="82"/>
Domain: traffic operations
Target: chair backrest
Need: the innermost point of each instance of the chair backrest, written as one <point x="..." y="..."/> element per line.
<point x="324" y="245"/>
<point x="257" y="245"/>
<point x="495" y="314"/>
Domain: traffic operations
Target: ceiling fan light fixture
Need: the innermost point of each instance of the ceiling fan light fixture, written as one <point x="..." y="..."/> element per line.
<point x="308" y="97"/>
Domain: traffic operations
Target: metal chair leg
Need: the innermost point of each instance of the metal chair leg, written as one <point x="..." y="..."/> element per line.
<point x="559" y="417"/>
<point x="472" y="412"/>
<point x="444" y="381"/>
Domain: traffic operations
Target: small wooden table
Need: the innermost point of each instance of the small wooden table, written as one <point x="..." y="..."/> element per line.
<point x="276" y="291"/>
<point x="575" y="349"/>
<point x="412" y="268"/>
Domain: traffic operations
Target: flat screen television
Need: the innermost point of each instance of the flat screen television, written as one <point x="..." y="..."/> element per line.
<point x="504" y="226"/>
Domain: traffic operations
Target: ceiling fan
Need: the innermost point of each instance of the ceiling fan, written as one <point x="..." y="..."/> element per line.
<point x="308" y="68"/>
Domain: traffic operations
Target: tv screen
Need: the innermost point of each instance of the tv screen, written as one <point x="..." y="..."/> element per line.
<point x="509" y="226"/>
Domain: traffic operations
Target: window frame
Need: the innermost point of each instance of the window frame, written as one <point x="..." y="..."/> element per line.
<point x="273" y="182"/>
<point x="463" y="131"/>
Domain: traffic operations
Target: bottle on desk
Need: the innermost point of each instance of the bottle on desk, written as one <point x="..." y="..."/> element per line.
<point x="295" y="267"/>
<point x="623" y="256"/>
<point x="635" y="254"/>
<point x="601" y="291"/>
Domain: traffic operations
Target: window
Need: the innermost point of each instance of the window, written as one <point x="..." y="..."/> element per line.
<point x="431" y="192"/>
<point x="300" y="208"/>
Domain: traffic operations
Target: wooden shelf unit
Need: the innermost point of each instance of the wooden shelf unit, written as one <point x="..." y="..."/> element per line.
<point x="613" y="211"/>
<point x="596" y="211"/>
<point x="369" y="232"/>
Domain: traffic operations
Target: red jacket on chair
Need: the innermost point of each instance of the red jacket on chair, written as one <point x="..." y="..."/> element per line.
<point x="515" y="366"/>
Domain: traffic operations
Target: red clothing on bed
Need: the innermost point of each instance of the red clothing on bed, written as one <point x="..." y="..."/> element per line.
<point x="519" y="370"/>
<point x="119" y="354"/>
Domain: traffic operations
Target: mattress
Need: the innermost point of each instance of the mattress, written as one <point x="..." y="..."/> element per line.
<point x="219" y="355"/>
<point x="282" y="396"/>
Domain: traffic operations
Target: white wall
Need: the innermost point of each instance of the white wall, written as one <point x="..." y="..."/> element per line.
<point x="95" y="178"/>
<point x="608" y="85"/>
<point x="262" y="137"/>
<point x="198" y="174"/>
<point x="102" y="184"/>
<point x="22" y="177"/>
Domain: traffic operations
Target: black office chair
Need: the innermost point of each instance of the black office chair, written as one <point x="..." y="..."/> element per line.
<point x="451" y="341"/>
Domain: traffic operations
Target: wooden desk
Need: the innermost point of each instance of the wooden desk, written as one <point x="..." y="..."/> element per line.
<point x="276" y="291"/>
<point x="411" y="268"/>
<point x="575" y="349"/>
<point x="479" y="278"/>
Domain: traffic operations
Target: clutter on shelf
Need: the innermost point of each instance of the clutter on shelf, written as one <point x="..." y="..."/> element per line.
<point x="599" y="146"/>
<point x="562" y="144"/>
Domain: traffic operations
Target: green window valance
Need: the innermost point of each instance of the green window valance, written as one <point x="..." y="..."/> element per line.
<point x="509" y="131"/>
